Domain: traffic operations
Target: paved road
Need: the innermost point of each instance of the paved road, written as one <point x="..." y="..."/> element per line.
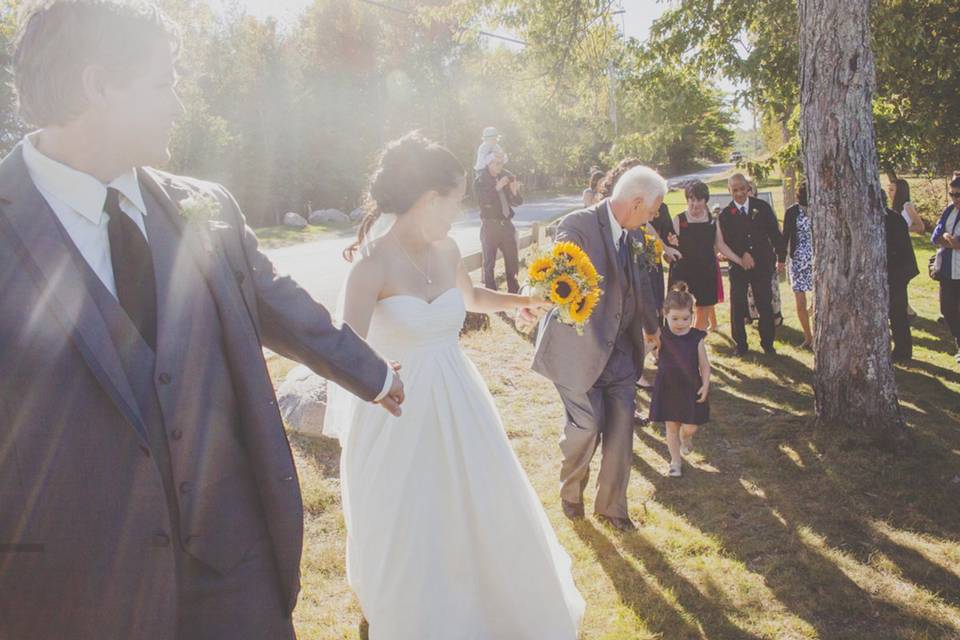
<point x="319" y="267"/>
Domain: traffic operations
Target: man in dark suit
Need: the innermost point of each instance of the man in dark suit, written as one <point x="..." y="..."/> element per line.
<point x="751" y="230"/>
<point x="901" y="269"/>
<point x="147" y="488"/>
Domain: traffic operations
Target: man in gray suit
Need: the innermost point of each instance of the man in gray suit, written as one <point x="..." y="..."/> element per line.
<point x="596" y="372"/>
<point x="147" y="488"/>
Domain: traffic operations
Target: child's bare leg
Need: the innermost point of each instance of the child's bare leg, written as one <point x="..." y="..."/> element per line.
<point x="687" y="431"/>
<point x="673" y="443"/>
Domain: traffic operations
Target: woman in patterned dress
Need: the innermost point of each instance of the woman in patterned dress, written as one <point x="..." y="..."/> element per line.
<point x="799" y="236"/>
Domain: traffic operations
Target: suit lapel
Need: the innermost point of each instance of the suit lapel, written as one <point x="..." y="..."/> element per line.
<point x="206" y="251"/>
<point x="51" y="263"/>
<point x="613" y="263"/>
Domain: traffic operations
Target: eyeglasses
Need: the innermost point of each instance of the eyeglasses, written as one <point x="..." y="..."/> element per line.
<point x="955" y="194"/>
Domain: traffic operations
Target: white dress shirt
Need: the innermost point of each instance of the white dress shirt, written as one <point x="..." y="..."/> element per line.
<point x="615" y="229"/>
<point x="77" y="199"/>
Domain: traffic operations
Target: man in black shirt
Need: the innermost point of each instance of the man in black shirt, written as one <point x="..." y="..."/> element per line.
<point x="751" y="230"/>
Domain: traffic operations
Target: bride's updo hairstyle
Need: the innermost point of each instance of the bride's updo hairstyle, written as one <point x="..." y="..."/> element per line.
<point x="407" y="169"/>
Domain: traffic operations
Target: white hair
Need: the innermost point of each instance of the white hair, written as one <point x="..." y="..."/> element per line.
<point x="639" y="182"/>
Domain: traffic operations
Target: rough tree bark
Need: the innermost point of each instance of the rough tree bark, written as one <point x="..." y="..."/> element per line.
<point x="853" y="381"/>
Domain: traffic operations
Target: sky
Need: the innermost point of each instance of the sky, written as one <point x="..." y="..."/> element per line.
<point x="637" y="17"/>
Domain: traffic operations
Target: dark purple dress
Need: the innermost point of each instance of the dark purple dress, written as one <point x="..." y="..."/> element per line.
<point x="678" y="379"/>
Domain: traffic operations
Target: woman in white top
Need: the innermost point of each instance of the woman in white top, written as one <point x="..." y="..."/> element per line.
<point x="898" y="191"/>
<point x="591" y="195"/>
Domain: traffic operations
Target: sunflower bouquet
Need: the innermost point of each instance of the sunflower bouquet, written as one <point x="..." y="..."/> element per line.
<point x="566" y="276"/>
<point x="649" y="252"/>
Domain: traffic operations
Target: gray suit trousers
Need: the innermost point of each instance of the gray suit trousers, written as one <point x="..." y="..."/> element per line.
<point x="602" y="416"/>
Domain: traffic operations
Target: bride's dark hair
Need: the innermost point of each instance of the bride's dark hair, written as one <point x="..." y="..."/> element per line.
<point x="406" y="169"/>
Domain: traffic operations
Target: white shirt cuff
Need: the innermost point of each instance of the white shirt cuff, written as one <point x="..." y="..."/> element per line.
<point x="386" y="385"/>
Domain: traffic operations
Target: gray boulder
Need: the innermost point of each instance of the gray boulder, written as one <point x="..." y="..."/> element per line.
<point x="302" y="399"/>
<point x="294" y="220"/>
<point x="329" y="216"/>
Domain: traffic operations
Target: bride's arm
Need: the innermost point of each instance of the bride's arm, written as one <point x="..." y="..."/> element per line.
<point x="362" y="289"/>
<point x="479" y="299"/>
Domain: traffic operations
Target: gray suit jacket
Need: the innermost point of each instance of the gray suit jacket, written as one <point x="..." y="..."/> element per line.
<point x="574" y="361"/>
<point x="81" y="499"/>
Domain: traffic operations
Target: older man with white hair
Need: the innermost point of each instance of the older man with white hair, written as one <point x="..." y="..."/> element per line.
<point x="595" y="373"/>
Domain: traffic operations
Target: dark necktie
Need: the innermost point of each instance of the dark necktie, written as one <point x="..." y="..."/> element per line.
<point x="132" y="269"/>
<point x="623" y="252"/>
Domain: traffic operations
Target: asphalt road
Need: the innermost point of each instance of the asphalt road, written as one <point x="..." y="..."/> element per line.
<point x="320" y="268"/>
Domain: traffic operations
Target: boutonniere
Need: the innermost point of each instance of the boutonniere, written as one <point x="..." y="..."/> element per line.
<point x="200" y="211"/>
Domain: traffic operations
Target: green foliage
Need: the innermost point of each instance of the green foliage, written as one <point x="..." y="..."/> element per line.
<point x="754" y="42"/>
<point x="11" y="128"/>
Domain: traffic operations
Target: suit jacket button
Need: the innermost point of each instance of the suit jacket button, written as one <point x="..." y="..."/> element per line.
<point x="164" y="378"/>
<point x="176" y="434"/>
<point x="185" y="487"/>
<point x="161" y="540"/>
<point x="239" y="275"/>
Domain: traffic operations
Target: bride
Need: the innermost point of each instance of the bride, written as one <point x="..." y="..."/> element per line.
<point x="446" y="538"/>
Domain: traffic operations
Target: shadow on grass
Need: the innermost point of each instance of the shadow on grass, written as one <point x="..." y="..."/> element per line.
<point x="822" y="492"/>
<point x="660" y="615"/>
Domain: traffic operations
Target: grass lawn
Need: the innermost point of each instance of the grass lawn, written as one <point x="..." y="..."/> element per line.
<point x="776" y="531"/>
<point x="282" y="236"/>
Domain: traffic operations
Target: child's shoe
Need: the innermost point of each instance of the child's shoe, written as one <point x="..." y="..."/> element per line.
<point x="675" y="471"/>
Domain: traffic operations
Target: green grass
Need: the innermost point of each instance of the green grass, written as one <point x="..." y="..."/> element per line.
<point x="776" y="531"/>
<point x="282" y="236"/>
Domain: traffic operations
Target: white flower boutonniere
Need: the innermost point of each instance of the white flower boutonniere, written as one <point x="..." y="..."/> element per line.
<point x="199" y="211"/>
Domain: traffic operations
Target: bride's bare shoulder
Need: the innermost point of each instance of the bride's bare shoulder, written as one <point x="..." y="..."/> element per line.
<point x="369" y="268"/>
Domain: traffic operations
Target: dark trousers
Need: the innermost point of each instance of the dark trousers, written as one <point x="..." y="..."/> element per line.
<point x="500" y="235"/>
<point x="759" y="280"/>
<point x="950" y="305"/>
<point x="602" y="416"/>
<point x="244" y="604"/>
<point x="900" y="321"/>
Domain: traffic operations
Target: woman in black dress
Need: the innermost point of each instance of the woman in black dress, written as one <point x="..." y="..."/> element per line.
<point x="700" y="239"/>
<point x="683" y="377"/>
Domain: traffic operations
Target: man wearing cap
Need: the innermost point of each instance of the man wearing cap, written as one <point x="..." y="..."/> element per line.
<point x="497" y="193"/>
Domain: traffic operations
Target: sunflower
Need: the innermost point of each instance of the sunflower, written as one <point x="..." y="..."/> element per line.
<point x="582" y="309"/>
<point x="568" y="251"/>
<point x="564" y="289"/>
<point x="587" y="271"/>
<point x="541" y="269"/>
<point x="658" y="250"/>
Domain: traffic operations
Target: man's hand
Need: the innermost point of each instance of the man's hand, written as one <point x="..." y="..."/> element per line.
<point x="502" y="182"/>
<point x="671" y="254"/>
<point x="528" y="316"/>
<point x="703" y="392"/>
<point x="652" y="340"/>
<point x="746" y="261"/>
<point x="395" y="397"/>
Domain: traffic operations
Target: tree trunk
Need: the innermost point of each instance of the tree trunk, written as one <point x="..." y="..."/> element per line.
<point x="853" y="382"/>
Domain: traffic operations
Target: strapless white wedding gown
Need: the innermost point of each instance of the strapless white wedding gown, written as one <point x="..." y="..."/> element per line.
<point x="446" y="538"/>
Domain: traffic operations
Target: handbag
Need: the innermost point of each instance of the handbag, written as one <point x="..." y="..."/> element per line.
<point x="935" y="265"/>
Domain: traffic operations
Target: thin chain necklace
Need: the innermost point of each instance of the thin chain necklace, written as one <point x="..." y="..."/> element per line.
<point x="425" y="274"/>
